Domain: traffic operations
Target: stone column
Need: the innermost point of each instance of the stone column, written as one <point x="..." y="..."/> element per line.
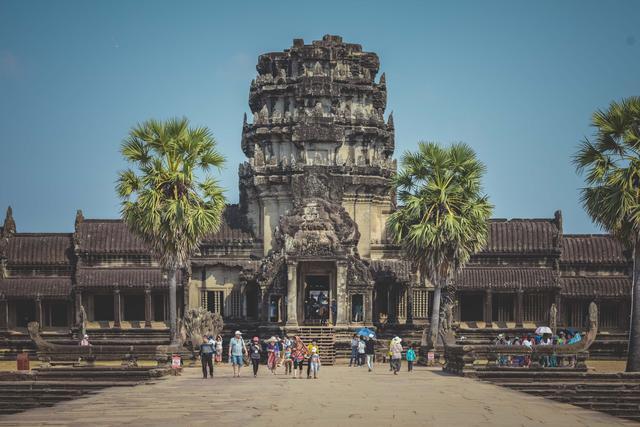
<point x="39" y="317"/>
<point x="409" y="304"/>
<point x="519" y="308"/>
<point x="341" y="294"/>
<point x="116" y="308"/>
<point x="4" y="313"/>
<point x="368" y="307"/>
<point x="77" y="305"/>
<point x="147" y="306"/>
<point x="292" y="294"/>
<point x="488" y="307"/>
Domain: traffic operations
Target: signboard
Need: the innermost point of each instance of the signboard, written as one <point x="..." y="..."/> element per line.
<point x="175" y="361"/>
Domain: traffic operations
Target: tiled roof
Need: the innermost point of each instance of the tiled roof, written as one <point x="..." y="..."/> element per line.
<point x="39" y="249"/>
<point x="391" y="269"/>
<point x="51" y="287"/>
<point x="123" y="277"/>
<point x="505" y="278"/>
<point x="591" y="286"/>
<point x="112" y="236"/>
<point x="108" y="236"/>
<point x="594" y="248"/>
<point x="521" y="236"/>
<point x="232" y="228"/>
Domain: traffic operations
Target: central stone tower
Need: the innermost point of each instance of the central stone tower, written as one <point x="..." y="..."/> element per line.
<point x="315" y="189"/>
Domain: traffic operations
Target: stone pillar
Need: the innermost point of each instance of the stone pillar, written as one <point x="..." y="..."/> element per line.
<point x="292" y="294"/>
<point x="77" y="305"/>
<point x="147" y="306"/>
<point x="488" y="307"/>
<point x="409" y="304"/>
<point x="519" y="308"/>
<point x="368" y="306"/>
<point x="4" y="313"/>
<point x="116" y="308"/>
<point x="39" y="317"/>
<point x="341" y="294"/>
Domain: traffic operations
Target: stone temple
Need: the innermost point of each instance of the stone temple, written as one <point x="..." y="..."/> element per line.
<point x="306" y="246"/>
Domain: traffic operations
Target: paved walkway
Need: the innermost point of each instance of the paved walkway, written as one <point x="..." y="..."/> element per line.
<point x="341" y="397"/>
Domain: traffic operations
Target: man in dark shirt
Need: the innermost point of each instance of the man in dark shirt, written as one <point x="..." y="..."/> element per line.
<point x="206" y="356"/>
<point x="370" y="350"/>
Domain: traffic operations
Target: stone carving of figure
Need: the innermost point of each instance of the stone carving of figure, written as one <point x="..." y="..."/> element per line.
<point x="276" y="116"/>
<point x="593" y="315"/>
<point x="317" y="69"/>
<point x="553" y="318"/>
<point x="83" y="321"/>
<point x="264" y="114"/>
<point x="258" y="155"/>
<point x="283" y="73"/>
<point x="318" y="110"/>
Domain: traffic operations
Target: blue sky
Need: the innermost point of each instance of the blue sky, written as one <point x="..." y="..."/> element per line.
<point x="517" y="80"/>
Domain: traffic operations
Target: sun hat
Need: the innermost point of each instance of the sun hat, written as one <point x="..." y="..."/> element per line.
<point x="370" y="335"/>
<point x="238" y="333"/>
<point x="86" y="336"/>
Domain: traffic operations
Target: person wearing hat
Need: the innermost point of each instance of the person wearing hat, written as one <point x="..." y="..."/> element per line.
<point x="396" y="354"/>
<point x="84" y="342"/>
<point x="237" y="349"/>
<point x="255" y="351"/>
<point x="314" y="362"/>
<point x="272" y="357"/>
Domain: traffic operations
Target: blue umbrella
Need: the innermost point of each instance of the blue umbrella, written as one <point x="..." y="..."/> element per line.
<point x="365" y="332"/>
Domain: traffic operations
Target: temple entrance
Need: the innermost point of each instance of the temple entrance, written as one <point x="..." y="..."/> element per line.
<point x="134" y="307"/>
<point x="316" y="299"/>
<point x="25" y="312"/>
<point x="471" y="307"/>
<point x="253" y="301"/>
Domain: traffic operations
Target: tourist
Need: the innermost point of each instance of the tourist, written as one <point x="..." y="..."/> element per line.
<point x="411" y="357"/>
<point x="396" y="354"/>
<point x="353" y="361"/>
<point x="314" y="362"/>
<point x="298" y="353"/>
<point x="206" y="356"/>
<point x="361" y="351"/>
<point x="334" y="310"/>
<point x="237" y="350"/>
<point x="309" y="348"/>
<point x="218" y="357"/>
<point x="272" y="357"/>
<point x="288" y="362"/>
<point x="84" y="342"/>
<point x="255" y="351"/>
<point x="369" y="351"/>
<point x="390" y="356"/>
<point x="545" y="341"/>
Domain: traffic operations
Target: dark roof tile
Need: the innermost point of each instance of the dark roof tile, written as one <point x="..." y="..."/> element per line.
<point x="522" y="236"/>
<point x="39" y="249"/>
<point x="505" y="278"/>
<point x="123" y="277"/>
<point x="593" y="248"/>
<point x="591" y="286"/>
<point x="51" y="287"/>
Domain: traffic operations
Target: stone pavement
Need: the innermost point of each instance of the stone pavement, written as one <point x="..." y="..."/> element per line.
<point x="342" y="396"/>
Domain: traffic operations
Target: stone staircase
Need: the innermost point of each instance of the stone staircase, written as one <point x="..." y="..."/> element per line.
<point x="48" y="386"/>
<point x="616" y="394"/>
<point x="325" y="338"/>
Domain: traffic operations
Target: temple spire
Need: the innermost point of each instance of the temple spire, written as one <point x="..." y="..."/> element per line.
<point x="383" y="80"/>
<point x="9" y="227"/>
<point x="390" y="121"/>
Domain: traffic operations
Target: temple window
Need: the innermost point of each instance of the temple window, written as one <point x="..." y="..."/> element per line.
<point x="536" y="307"/>
<point x="275" y="308"/>
<point x="215" y="301"/>
<point x="503" y="307"/>
<point x="103" y="307"/>
<point x="55" y="314"/>
<point x="420" y="303"/>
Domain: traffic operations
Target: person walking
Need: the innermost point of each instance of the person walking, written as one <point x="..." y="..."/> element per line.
<point x="237" y="349"/>
<point x="353" y="361"/>
<point x="314" y="362"/>
<point x="309" y="348"/>
<point x="396" y="354"/>
<point x="272" y="354"/>
<point x="255" y="352"/>
<point x="361" y="351"/>
<point x="218" y="358"/>
<point x="298" y="353"/>
<point x="411" y="357"/>
<point x="206" y="357"/>
<point x="370" y="351"/>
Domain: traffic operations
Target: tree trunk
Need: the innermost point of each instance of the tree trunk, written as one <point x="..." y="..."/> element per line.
<point x="435" y="316"/>
<point x="633" y="359"/>
<point x="173" y="326"/>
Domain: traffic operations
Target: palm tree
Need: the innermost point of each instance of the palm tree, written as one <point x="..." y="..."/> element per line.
<point x="611" y="166"/>
<point x="162" y="199"/>
<point x="443" y="215"/>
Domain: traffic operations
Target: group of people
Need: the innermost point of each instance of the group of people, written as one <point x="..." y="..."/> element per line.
<point x="290" y="353"/>
<point x="363" y="350"/>
<point x="293" y="354"/>
<point x="532" y="340"/>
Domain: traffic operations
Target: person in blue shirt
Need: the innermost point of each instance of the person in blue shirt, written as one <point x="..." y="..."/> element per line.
<point x="206" y="356"/>
<point x="411" y="357"/>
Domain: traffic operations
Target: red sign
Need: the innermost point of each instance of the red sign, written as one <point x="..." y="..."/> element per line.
<point x="175" y="361"/>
